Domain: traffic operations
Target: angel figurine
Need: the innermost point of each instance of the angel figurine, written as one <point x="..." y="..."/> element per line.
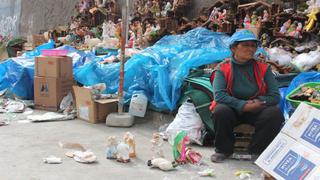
<point x="128" y="138"/>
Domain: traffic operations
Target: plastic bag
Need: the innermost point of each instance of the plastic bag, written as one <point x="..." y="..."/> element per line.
<point x="187" y="120"/>
<point x="282" y="57"/>
<point x="307" y="61"/>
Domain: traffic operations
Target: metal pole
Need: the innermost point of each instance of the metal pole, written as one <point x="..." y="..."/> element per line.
<point x="124" y="32"/>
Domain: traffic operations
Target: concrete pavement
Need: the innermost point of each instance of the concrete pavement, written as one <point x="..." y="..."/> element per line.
<point x="24" y="145"/>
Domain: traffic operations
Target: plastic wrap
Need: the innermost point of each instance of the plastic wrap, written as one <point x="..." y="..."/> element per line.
<point x="17" y="74"/>
<point x="160" y="70"/>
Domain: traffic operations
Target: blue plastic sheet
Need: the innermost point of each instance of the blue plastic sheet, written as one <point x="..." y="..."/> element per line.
<point x="17" y="74"/>
<point x="303" y="77"/>
<point x="159" y="70"/>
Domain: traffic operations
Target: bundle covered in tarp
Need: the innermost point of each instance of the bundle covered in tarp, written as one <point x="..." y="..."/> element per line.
<point x="159" y="70"/>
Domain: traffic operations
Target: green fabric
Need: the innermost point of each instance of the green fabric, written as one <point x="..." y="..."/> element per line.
<point x="243" y="87"/>
<point x="202" y="101"/>
<point x="177" y="140"/>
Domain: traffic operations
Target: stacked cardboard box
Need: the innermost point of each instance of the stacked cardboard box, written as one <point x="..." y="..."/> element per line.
<point x="93" y="111"/>
<point x="295" y="152"/>
<point x="53" y="80"/>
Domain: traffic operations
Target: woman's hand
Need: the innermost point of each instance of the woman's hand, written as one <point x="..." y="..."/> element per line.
<point x="254" y="106"/>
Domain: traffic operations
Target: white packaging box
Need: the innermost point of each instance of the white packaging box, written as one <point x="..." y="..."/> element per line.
<point x="287" y="159"/>
<point x="304" y="126"/>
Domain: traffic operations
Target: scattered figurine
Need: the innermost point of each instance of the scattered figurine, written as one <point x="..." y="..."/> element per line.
<point x="297" y="33"/>
<point x="247" y="21"/>
<point x="265" y="40"/>
<point x="132" y="38"/>
<point x="111" y="151"/>
<point x="312" y="19"/>
<point x="292" y="28"/>
<point x="265" y="16"/>
<point x="162" y="164"/>
<point x="214" y="13"/>
<point x="167" y="8"/>
<point x="157" y="143"/>
<point x="128" y="138"/>
<point x="123" y="150"/>
<point x="285" y="27"/>
<point x="254" y="18"/>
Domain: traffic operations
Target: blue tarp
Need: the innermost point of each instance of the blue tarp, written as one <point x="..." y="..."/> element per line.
<point x="302" y="78"/>
<point x="158" y="71"/>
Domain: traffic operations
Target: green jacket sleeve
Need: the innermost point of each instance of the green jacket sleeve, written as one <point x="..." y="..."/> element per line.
<point x="273" y="96"/>
<point x="221" y="95"/>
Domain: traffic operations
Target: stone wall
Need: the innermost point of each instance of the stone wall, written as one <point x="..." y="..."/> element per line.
<point x="22" y="17"/>
<point x="9" y="17"/>
<point x="37" y="15"/>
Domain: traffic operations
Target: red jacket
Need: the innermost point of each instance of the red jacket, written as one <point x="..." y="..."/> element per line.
<point x="259" y="70"/>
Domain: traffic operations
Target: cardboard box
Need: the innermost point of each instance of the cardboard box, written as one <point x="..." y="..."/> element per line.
<point x="54" y="67"/>
<point x="304" y="126"/>
<point x="285" y="158"/>
<point x="48" y="92"/>
<point x="93" y="111"/>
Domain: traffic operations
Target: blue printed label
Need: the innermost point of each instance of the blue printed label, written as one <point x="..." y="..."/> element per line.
<point x="294" y="167"/>
<point x="312" y="133"/>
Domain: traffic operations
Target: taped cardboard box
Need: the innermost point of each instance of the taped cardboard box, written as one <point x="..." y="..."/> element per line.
<point x="93" y="111"/>
<point x="54" y="67"/>
<point x="287" y="159"/>
<point x="48" y="92"/>
<point x="304" y="126"/>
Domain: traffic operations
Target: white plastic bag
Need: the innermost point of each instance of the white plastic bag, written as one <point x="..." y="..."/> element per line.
<point x="187" y="120"/>
<point x="307" y="61"/>
<point x="280" y="56"/>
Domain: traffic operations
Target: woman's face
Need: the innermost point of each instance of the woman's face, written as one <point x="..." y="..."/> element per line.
<point x="244" y="51"/>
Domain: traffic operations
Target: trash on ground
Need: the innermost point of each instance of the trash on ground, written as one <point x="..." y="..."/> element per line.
<point x="180" y="146"/>
<point x="12" y="106"/>
<point x="243" y="174"/>
<point x="50" y="116"/>
<point x="73" y="146"/>
<point x="162" y="164"/>
<point x="157" y="145"/>
<point x="206" y="173"/>
<point x="84" y="156"/>
<point x="3" y="123"/>
<point x="187" y="120"/>
<point x="193" y="157"/>
<point x="27" y="111"/>
<point x="52" y="160"/>
<point x="244" y="157"/>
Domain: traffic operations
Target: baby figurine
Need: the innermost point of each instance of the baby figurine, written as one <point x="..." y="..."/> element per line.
<point x="123" y="152"/>
<point x="111" y="151"/>
<point x="128" y="138"/>
<point x="157" y="143"/>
